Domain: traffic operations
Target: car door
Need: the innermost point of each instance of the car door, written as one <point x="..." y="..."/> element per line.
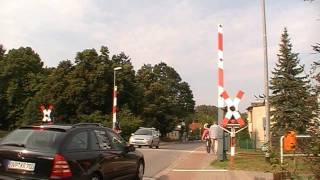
<point x="127" y="160"/>
<point x="78" y="153"/>
<point x="107" y="159"/>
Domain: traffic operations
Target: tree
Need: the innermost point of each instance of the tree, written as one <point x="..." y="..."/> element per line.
<point x="312" y="147"/>
<point x="52" y="91"/>
<point x="129" y="122"/>
<point x="2" y="51"/>
<point x="291" y="99"/>
<point x="316" y="67"/>
<point x="83" y="90"/>
<point x="206" y="114"/>
<point x="129" y="93"/>
<point x="19" y="67"/>
<point x="166" y="99"/>
<point x="3" y="103"/>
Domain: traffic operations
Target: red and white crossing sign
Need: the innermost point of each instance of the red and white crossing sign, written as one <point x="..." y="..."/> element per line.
<point x="46" y="113"/>
<point x="232" y="116"/>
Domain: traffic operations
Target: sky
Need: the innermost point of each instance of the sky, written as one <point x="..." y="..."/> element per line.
<point x="181" y="33"/>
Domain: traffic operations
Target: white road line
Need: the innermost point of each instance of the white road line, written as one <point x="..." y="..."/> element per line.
<point x="174" y="150"/>
<point x="174" y="164"/>
<point x="199" y="170"/>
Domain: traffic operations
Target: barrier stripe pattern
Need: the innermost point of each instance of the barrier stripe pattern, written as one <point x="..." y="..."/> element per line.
<point x="220" y="67"/>
<point x="114" y="108"/>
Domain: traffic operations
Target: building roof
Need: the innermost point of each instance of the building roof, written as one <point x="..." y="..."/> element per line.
<point x="194" y="126"/>
<point x="255" y="104"/>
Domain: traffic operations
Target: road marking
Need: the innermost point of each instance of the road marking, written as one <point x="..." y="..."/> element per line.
<point x="199" y="170"/>
<point x="175" y="163"/>
<point x="175" y="150"/>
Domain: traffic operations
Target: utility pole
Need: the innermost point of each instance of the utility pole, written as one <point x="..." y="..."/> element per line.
<point x="266" y="82"/>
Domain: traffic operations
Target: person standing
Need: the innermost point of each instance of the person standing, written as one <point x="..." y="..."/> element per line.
<point x="213" y="134"/>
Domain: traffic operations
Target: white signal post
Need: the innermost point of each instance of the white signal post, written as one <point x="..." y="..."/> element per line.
<point x="115" y="93"/>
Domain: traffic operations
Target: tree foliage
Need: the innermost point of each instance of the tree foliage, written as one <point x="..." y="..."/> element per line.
<point x="166" y="98"/>
<point x="81" y="90"/>
<point x="312" y="147"/>
<point x="293" y="105"/>
<point x="206" y="114"/>
<point x="19" y="69"/>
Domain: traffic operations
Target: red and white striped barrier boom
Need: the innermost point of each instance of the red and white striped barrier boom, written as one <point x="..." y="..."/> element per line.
<point x="232" y="118"/>
<point x="114" y="108"/>
<point x="220" y="67"/>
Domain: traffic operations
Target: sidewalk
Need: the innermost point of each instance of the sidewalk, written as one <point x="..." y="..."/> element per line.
<point x="196" y="166"/>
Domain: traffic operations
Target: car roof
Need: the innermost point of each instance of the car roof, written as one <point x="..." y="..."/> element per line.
<point x="48" y="126"/>
<point x="65" y="127"/>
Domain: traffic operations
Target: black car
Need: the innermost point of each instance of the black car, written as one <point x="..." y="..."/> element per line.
<point x="81" y="151"/>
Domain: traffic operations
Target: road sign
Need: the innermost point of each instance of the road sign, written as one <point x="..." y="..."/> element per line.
<point x="232" y="116"/>
<point x="46" y="113"/>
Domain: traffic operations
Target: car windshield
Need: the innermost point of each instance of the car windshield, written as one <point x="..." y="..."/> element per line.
<point x="143" y="132"/>
<point x="43" y="140"/>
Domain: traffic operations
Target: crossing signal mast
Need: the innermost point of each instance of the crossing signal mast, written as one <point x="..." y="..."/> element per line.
<point x="232" y="123"/>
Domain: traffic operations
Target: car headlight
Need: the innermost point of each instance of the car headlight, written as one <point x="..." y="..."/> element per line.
<point x="131" y="139"/>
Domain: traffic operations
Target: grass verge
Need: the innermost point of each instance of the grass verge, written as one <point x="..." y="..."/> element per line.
<point x="255" y="161"/>
<point x="242" y="162"/>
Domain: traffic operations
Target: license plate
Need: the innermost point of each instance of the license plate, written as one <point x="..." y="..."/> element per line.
<point x="21" y="165"/>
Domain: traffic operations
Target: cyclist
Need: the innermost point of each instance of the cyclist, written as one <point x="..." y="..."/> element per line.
<point x="205" y="136"/>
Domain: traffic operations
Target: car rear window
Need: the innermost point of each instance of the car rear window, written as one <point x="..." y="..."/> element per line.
<point x="43" y="140"/>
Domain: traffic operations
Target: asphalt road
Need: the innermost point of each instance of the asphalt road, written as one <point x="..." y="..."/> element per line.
<point x="159" y="160"/>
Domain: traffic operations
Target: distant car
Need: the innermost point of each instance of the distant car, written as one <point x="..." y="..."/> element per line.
<point x="145" y="137"/>
<point x="80" y="152"/>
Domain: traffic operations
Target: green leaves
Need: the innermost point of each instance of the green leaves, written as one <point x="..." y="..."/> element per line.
<point x="166" y="99"/>
<point x="82" y="91"/>
<point x="20" y="70"/>
<point x="291" y="98"/>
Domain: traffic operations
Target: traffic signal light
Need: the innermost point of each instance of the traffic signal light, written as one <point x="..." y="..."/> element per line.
<point x="290" y="140"/>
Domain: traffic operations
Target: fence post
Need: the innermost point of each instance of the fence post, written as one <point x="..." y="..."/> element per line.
<point x="247" y="143"/>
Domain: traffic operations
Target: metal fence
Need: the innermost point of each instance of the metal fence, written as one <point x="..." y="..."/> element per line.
<point x="246" y="143"/>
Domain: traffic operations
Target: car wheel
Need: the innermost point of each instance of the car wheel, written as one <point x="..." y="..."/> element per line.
<point x="157" y="146"/>
<point x="95" y="176"/>
<point x="139" y="146"/>
<point x="140" y="171"/>
<point x="150" y="146"/>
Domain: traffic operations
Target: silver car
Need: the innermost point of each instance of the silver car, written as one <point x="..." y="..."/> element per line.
<point x="145" y="137"/>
